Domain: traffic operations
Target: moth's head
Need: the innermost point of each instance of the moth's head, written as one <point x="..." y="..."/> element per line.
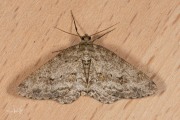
<point x="86" y="38"/>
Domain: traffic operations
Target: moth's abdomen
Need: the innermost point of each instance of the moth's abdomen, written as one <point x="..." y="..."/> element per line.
<point x="86" y="61"/>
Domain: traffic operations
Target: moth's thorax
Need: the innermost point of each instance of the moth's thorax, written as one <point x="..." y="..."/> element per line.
<point x="86" y="62"/>
<point x="85" y="46"/>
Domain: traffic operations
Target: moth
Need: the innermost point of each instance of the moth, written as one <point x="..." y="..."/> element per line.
<point x="87" y="69"/>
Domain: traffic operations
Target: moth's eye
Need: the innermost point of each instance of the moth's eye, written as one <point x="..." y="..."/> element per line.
<point x="82" y="38"/>
<point x="89" y="37"/>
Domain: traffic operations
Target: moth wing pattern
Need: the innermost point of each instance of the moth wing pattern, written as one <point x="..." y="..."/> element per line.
<point x="59" y="79"/>
<point x="115" y="79"/>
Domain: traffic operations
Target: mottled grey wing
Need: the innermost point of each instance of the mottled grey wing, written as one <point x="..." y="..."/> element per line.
<point x="113" y="78"/>
<point x="59" y="79"/>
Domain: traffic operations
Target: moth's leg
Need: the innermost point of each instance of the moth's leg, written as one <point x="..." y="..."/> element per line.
<point x="103" y="35"/>
<point x="104" y="29"/>
<point x="56" y="51"/>
<point x="65" y="31"/>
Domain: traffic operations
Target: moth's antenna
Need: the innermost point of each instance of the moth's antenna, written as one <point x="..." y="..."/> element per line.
<point x="103" y="35"/>
<point x="65" y="31"/>
<point x="104" y="29"/>
<point x="75" y="25"/>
